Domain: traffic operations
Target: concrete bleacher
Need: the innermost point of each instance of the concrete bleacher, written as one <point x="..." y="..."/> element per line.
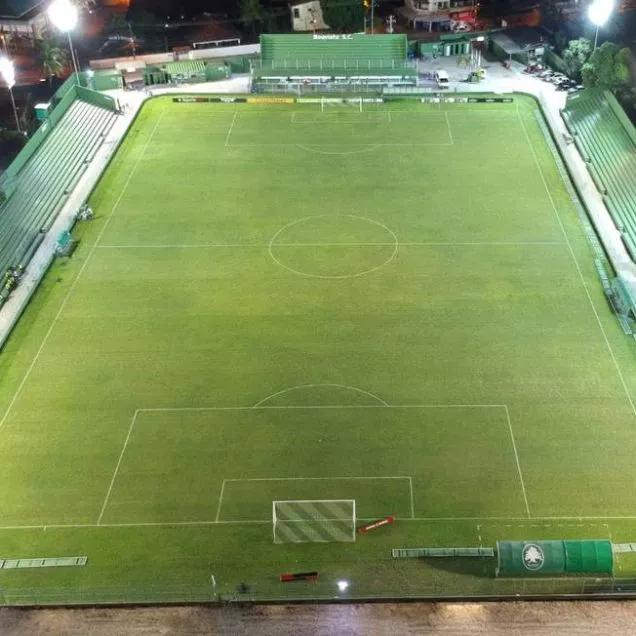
<point x="334" y="55"/>
<point x="607" y="142"/>
<point x="45" y="181"/>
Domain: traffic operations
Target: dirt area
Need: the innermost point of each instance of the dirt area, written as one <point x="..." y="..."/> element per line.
<point x="536" y="618"/>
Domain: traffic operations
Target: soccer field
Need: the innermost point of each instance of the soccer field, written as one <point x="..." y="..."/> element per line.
<point x="397" y="306"/>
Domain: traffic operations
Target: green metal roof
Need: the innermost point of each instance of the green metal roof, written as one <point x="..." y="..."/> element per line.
<point x="16" y="9"/>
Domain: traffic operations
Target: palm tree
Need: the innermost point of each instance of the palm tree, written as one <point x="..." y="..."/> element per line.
<point x="52" y="58"/>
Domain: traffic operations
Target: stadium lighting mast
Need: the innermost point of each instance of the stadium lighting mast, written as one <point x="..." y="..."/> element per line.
<point x="63" y="14"/>
<point x="598" y="13"/>
<point x="7" y="70"/>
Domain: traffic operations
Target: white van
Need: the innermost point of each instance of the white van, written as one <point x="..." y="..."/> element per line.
<point x="441" y="77"/>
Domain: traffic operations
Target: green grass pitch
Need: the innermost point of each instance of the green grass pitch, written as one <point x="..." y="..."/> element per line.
<point x="397" y="306"/>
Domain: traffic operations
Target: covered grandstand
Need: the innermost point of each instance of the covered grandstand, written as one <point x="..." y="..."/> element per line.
<point x="323" y="61"/>
<point x="38" y="183"/>
<point x="606" y="140"/>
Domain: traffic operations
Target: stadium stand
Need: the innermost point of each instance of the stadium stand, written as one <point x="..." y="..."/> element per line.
<point x="607" y="141"/>
<point x="345" y="58"/>
<point x="42" y="184"/>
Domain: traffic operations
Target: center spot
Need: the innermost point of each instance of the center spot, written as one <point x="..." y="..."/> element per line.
<point x="333" y="246"/>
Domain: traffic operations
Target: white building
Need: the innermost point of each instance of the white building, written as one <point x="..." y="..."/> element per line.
<point x="307" y="16"/>
<point x="440" y="15"/>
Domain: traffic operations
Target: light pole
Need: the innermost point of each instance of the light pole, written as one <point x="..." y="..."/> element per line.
<point x="7" y="70"/>
<point x="598" y="13"/>
<point x="63" y="14"/>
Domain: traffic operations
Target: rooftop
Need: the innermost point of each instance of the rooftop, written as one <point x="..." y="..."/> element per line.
<point x="16" y="9"/>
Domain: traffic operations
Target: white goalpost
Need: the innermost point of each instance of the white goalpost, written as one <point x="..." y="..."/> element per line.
<point x="314" y="521"/>
<point x="340" y="101"/>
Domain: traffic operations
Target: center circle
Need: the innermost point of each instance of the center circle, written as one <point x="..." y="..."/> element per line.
<point x="333" y="246"/>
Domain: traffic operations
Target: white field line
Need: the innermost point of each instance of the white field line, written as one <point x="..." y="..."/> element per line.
<point x="166" y="524"/>
<point x="353" y="478"/>
<point x="229" y="132"/>
<point x="116" y="471"/>
<point x="237" y="479"/>
<point x="218" y="508"/>
<point x="382" y="405"/>
<point x="450" y="131"/>
<point x="178" y="409"/>
<point x="80" y="272"/>
<point x="577" y="265"/>
<point x="364" y="143"/>
<point x="322" y="385"/>
<point x="380" y="244"/>
<point x="514" y="447"/>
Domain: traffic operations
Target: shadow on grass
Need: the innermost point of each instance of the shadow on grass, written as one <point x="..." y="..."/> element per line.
<point x="477" y="567"/>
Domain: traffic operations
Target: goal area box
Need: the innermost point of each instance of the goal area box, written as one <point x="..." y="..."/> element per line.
<point x="314" y="521"/>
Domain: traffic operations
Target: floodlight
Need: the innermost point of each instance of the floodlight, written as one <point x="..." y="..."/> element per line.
<point x="63" y="14"/>
<point x="343" y="585"/>
<point x="7" y="70"/>
<point x="598" y="13"/>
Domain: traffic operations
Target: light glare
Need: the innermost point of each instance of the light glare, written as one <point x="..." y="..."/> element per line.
<point x="343" y="585"/>
<point x="7" y="70"/>
<point x="600" y="11"/>
<point x="63" y="14"/>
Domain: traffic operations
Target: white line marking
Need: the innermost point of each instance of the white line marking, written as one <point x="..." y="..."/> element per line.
<point x="218" y="508"/>
<point x="450" y="131"/>
<point x="312" y="386"/>
<point x="240" y="479"/>
<point x="121" y="456"/>
<point x="79" y="274"/>
<point x="320" y="406"/>
<point x="229" y="132"/>
<point x="405" y="477"/>
<point x="514" y="447"/>
<point x="412" y="500"/>
<point x="400" y="244"/>
<point x="576" y="263"/>
<point x="269" y="521"/>
<point x="273" y="245"/>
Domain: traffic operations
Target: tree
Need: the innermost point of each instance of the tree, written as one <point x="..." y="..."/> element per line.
<point x="85" y="5"/>
<point x="344" y="15"/>
<point x="252" y="15"/>
<point x="576" y="55"/>
<point x="607" y="68"/>
<point x="52" y="58"/>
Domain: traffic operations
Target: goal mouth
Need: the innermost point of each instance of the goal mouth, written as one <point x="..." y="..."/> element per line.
<point x="314" y="521"/>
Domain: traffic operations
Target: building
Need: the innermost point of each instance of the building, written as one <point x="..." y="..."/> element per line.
<point x="307" y="16"/>
<point x="440" y="15"/>
<point x="27" y="17"/>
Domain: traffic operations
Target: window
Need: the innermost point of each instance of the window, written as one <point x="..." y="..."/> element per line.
<point x="296" y="12"/>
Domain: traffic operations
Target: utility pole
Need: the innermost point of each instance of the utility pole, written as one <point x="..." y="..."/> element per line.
<point x="132" y="41"/>
<point x="372" y="10"/>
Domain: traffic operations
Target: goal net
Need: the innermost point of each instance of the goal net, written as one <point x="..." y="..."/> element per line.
<point x="329" y="103"/>
<point x="314" y="521"/>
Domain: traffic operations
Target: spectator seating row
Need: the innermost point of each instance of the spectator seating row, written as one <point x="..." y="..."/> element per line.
<point x="607" y="141"/>
<point x="46" y="180"/>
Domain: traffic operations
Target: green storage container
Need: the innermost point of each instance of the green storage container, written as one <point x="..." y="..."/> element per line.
<point x="540" y="558"/>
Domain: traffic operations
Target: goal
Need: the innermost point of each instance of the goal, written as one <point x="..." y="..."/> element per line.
<point x="314" y="521"/>
<point x="326" y="102"/>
